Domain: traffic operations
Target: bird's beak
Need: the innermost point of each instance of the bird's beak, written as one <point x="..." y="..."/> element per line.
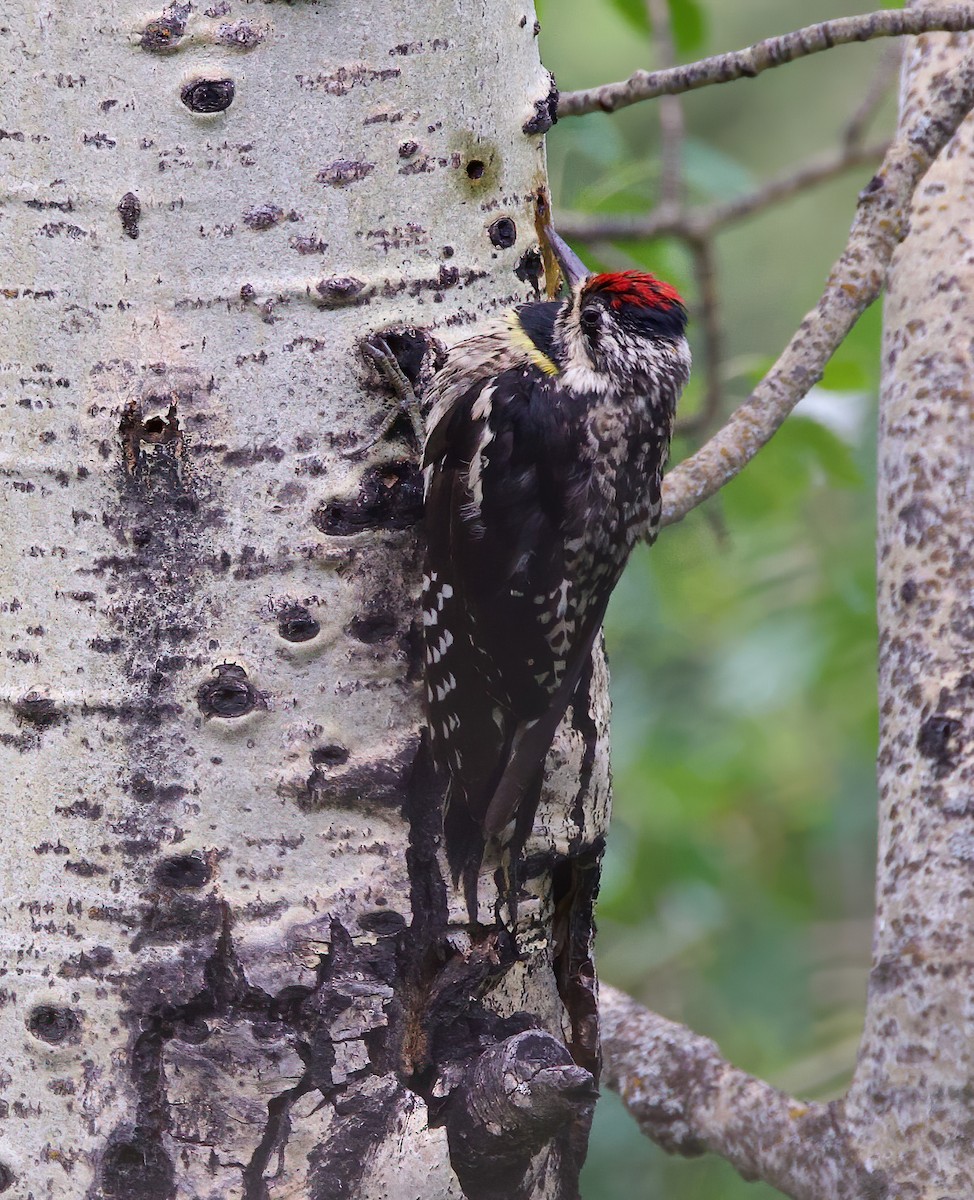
<point x="572" y="267"/>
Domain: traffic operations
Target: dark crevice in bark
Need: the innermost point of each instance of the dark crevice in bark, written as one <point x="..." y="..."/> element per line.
<point x="136" y="1165"/>
<point x="583" y="723"/>
<point x="276" y="1133"/>
<point x="575" y="887"/>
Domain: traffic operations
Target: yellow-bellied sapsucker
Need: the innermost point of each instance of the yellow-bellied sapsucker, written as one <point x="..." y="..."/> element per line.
<point x="547" y="437"/>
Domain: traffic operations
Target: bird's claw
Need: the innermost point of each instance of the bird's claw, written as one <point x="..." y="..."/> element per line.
<point x="377" y="351"/>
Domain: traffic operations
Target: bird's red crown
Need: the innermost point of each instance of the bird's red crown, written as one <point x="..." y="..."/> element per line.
<point x="633" y="287"/>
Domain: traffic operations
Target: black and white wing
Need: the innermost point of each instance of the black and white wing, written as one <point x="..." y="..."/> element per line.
<point x="508" y="628"/>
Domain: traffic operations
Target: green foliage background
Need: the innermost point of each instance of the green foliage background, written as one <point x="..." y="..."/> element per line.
<point x="738" y="884"/>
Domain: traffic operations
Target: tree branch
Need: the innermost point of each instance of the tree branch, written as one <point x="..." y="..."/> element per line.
<point x="855" y="282"/>
<point x="879" y="88"/>
<point x="708" y="314"/>
<point x="667" y="221"/>
<point x="690" y="1100"/>
<point x="772" y="52"/>
<point x="670" y="109"/>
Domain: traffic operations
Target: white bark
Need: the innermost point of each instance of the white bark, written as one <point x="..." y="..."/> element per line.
<point x="227" y="968"/>
<point x="909" y="1104"/>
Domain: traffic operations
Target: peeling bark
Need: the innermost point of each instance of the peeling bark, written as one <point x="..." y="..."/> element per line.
<point x="233" y="965"/>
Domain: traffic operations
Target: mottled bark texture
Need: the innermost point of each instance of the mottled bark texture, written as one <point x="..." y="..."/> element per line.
<point x="904" y="1130"/>
<point x="232" y="966"/>
<point x="909" y="1108"/>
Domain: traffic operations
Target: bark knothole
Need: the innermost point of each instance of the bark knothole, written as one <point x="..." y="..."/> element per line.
<point x="162" y="35"/>
<point x="297" y="624"/>
<point x="183" y="872"/>
<point x="934" y="742"/>
<point x="373" y="628"/>
<point x="7" y="1177"/>
<point x="137" y="432"/>
<point x="339" y="290"/>
<point x="503" y="233"/>
<point x="230" y="695"/>
<point x="479" y="161"/>
<point x="55" y="1024"/>
<point x="130" y="213"/>
<point x="331" y="755"/>
<point x="208" y="96"/>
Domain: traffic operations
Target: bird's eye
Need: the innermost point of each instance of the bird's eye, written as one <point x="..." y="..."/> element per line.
<point x="590" y="319"/>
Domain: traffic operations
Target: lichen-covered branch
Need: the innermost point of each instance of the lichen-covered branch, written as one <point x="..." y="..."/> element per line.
<point x="772" y="52"/>
<point x="854" y="283"/>
<point x="690" y="1100"/>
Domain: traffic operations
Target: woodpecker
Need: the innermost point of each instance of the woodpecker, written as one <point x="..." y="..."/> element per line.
<point x="547" y="437"/>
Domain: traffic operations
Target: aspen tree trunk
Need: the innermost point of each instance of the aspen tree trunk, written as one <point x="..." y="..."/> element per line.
<point x="909" y="1107"/>
<point x="232" y="965"/>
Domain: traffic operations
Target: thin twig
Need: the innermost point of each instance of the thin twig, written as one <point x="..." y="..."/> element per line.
<point x="708" y="319"/>
<point x="701" y="222"/>
<point x="689" y="1100"/>
<point x="879" y="88"/>
<point x="670" y="108"/>
<point x="773" y="52"/>
<point x="788" y="184"/>
<point x="855" y="282"/>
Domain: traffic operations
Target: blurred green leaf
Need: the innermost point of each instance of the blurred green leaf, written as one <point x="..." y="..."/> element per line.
<point x="689" y="22"/>
<point x="844" y="375"/>
<point x="714" y="174"/>
<point x="635" y="13"/>
<point x="689" y="26"/>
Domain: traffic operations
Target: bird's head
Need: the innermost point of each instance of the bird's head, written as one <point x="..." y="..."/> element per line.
<point x="626" y="326"/>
